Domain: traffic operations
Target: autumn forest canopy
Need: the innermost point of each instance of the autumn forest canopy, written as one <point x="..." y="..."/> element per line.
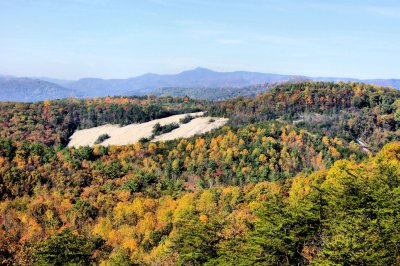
<point x="306" y="173"/>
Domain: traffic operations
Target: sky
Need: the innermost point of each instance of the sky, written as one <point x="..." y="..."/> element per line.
<point x="71" y="39"/>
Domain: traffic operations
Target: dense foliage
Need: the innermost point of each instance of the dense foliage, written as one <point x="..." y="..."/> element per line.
<point x="348" y="110"/>
<point x="288" y="182"/>
<point x="345" y="215"/>
<point x="266" y="151"/>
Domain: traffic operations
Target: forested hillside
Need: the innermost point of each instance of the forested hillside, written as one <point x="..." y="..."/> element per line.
<point x="110" y="215"/>
<point x="348" y="110"/>
<point x="53" y="122"/>
<point x="214" y="94"/>
<point x="289" y="181"/>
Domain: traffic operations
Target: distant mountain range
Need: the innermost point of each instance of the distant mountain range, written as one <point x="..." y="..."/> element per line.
<point x="35" y="89"/>
<point x="29" y="90"/>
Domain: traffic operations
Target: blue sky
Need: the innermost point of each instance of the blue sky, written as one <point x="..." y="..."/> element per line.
<point x="118" y="39"/>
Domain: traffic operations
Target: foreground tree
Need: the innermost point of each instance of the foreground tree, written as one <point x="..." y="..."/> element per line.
<point x="65" y="249"/>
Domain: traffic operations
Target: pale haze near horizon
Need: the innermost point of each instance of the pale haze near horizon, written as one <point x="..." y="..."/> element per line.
<point x="120" y="39"/>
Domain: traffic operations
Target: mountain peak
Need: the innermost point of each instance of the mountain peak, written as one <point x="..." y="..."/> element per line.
<point x="201" y="70"/>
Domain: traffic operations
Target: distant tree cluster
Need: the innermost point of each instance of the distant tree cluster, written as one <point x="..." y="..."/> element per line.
<point x="215" y="94"/>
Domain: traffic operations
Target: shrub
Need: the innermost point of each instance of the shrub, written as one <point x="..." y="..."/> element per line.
<point x="102" y="138"/>
<point x="159" y="130"/>
<point x="186" y="119"/>
<point x="144" y="140"/>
